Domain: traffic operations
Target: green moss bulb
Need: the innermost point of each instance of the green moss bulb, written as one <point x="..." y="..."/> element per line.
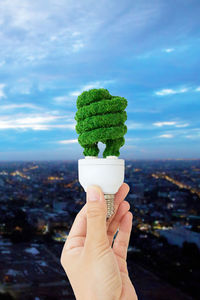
<point x="100" y="118"/>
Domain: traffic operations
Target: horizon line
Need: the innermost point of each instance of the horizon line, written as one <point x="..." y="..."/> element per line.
<point x="136" y="159"/>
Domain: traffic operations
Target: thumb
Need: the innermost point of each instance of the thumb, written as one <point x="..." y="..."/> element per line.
<point x="96" y="216"/>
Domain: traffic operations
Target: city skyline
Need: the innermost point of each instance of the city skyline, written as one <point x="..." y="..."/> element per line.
<point x="145" y="52"/>
<point x="39" y="202"/>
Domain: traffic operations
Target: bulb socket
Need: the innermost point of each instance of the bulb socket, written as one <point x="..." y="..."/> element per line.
<point x="110" y="205"/>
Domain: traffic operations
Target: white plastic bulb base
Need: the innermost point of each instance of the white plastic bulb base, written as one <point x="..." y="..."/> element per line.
<point x="108" y="173"/>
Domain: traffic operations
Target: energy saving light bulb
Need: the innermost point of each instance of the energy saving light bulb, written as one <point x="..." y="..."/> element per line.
<point x="100" y="118"/>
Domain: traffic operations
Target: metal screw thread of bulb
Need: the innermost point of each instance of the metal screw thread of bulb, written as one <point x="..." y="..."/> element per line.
<point x="110" y="205"/>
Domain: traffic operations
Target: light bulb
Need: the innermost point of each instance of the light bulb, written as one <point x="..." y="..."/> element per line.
<point x="108" y="173"/>
<point x="100" y="118"/>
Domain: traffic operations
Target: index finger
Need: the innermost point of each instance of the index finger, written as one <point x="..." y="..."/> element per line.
<point x="121" y="242"/>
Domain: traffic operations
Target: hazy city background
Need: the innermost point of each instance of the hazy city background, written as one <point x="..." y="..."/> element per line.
<point x="39" y="201"/>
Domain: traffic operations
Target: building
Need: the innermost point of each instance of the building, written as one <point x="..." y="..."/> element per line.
<point x="179" y="235"/>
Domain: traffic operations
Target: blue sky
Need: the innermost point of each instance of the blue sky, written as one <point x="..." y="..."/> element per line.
<point x="145" y="51"/>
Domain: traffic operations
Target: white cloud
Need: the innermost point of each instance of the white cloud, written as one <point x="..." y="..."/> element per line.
<point x="171" y="123"/>
<point x="166" y="136"/>
<point x="75" y="33"/>
<point x="182" y="125"/>
<point x="184" y="90"/>
<point x="168" y="50"/>
<point x="55" y="30"/>
<point x="61" y="98"/>
<point x="160" y="124"/>
<point x="16" y="106"/>
<point x="129" y="139"/>
<point x="194" y="136"/>
<point x="21" y="86"/>
<point x="76" y="93"/>
<point x="53" y="38"/>
<point x="77" y="46"/>
<point x="92" y="85"/>
<point x="36" y="119"/>
<point x="62" y="30"/>
<point x="183" y="132"/>
<point x="2" y="94"/>
<point x="68" y="141"/>
<point x="129" y="146"/>
<point x="144" y="56"/>
<point x="153" y="53"/>
<point x="134" y="125"/>
<point x="2" y="63"/>
<point x="35" y="122"/>
<point x="165" y="92"/>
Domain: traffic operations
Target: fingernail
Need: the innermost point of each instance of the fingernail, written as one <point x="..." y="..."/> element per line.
<point x="93" y="194"/>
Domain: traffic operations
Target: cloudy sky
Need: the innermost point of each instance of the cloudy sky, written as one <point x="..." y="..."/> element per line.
<point x="145" y="51"/>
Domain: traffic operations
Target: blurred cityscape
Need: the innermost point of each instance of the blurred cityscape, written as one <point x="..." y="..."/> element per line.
<point x="38" y="204"/>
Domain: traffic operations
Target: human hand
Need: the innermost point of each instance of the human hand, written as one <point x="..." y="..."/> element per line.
<point x="96" y="270"/>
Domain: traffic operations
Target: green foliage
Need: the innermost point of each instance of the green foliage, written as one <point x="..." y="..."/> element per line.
<point x="100" y="118"/>
<point x="91" y="96"/>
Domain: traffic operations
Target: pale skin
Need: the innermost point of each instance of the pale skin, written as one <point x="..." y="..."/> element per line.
<point x="95" y="269"/>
